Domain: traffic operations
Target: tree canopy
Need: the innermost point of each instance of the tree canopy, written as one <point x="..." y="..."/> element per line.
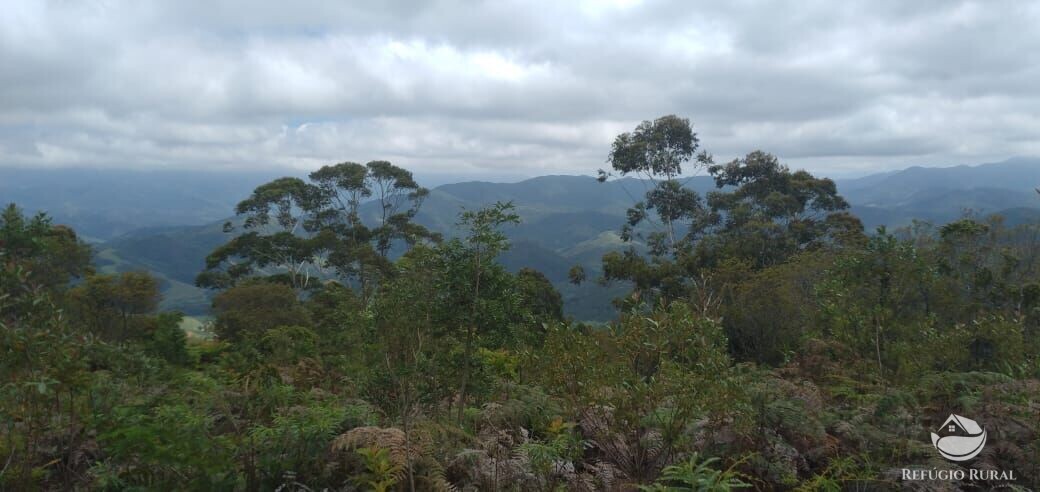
<point x="761" y="214"/>
<point x="303" y="232"/>
<point x="766" y="342"/>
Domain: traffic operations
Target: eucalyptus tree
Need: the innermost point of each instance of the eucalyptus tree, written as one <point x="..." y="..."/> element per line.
<point x="656" y="152"/>
<point x="398" y="197"/>
<point x="361" y="247"/>
<point x="276" y="220"/>
<point x="761" y="214"/>
<point x="663" y="221"/>
<point x="300" y="231"/>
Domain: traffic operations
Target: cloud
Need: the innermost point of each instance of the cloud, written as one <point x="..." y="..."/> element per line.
<point x="513" y="88"/>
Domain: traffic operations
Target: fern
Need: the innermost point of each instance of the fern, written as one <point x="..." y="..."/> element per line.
<point x="697" y="475"/>
<point x="381" y="473"/>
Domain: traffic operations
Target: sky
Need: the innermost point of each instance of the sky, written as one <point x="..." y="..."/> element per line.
<point x="503" y="89"/>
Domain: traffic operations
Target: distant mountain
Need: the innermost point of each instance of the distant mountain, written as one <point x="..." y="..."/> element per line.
<point x="179" y="252"/>
<point x="105" y="203"/>
<point x="945" y="193"/>
<point x="544" y="202"/>
<point x="1018" y="174"/>
<point x="167" y="222"/>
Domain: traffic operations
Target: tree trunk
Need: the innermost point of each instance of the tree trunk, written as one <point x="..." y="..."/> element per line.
<point x="463" y="387"/>
<point x="470" y="334"/>
<point x="877" y="347"/>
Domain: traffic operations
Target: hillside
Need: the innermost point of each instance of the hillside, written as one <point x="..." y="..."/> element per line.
<point x="942" y="194"/>
<point x="567" y="220"/>
<point x="104" y="204"/>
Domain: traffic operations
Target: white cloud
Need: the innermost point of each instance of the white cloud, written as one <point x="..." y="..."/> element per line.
<point x="513" y="87"/>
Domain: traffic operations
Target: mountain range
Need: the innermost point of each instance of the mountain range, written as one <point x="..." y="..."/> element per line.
<point x="167" y="221"/>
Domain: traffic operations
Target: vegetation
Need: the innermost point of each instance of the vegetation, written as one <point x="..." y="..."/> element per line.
<point x="766" y="342"/>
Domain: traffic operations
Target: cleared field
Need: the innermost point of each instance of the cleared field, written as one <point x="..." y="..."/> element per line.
<point x="197" y="327"/>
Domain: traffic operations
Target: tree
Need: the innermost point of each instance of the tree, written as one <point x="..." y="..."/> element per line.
<point x="970" y="253"/>
<point x="43" y="368"/>
<point x="540" y="296"/>
<point x="248" y="310"/>
<point x="53" y="253"/>
<point x="137" y="293"/>
<point x="483" y="243"/>
<point x="656" y="151"/>
<point x="410" y="355"/>
<point x="880" y="299"/>
<point x="107" y="303"/>
<point x="361" y="247"/>
<point x="276" y="220"/>
<point x="762" y="214"/>
<point x="301" y="232"/>
<point x="668" y="216"/>
<point x="394" y="188"/>
<point x="576" y="274"/>
<point x="168" y="339"/>
<point x="772" y="213"/>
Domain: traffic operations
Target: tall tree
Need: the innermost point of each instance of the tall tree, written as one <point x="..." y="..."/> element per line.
<point x="277" y="222"/>
<point x="762" y="213"/>
<point x="656" y="152"/>
<point x="43" y="365"/>
<point x="399" y="198"/>
<point x="304" y="231"/>
<point x="483" y="243"/>
<point x="361" y="246"/>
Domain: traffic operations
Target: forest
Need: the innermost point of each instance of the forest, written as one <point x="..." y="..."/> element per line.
<point x="766" y="341"/>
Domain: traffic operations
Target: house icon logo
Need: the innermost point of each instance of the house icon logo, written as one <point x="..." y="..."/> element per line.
<point x="959" y="438"/>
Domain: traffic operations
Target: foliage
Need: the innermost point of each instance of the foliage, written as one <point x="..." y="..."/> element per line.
<point x="539" y="294"/>
<point x="109" y="303"/>
<point x="168" y="340"/>
<point x="304" y="232"/>
<point x="355" y="351"/>
<point x="639" y="387"/>
<point x="772" y="213"/>
<point x="697" y="475"/>
<point x="246" y="311"/>
<point x="53" y="254"/>
<point x="762" y="214"/>
<point x="380" y="473"/>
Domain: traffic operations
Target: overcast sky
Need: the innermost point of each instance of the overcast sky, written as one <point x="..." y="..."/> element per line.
<point x="507" y="89"/>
